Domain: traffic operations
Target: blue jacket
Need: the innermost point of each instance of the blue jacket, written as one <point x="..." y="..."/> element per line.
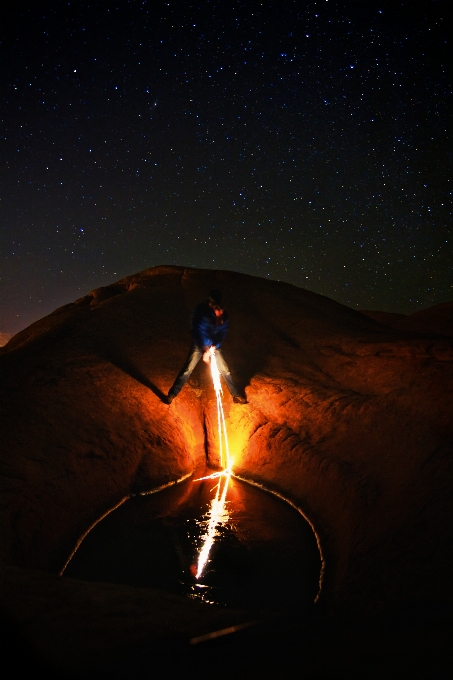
<point x="207" y="329"/>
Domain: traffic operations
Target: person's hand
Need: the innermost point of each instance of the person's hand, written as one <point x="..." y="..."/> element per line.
<point x="208" y="352"/>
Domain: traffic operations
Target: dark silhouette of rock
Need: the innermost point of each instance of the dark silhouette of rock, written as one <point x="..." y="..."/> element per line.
<point x="385" y="318"/>
<point x="348" y="418"/>
<point x="435" y="320"/>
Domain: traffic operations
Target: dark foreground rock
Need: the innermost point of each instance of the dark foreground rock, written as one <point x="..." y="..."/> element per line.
<point x="348" y="418"/>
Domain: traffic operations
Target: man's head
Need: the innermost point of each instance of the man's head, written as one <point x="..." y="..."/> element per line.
<point x="215" y="297"/>
<point x="215" y="301"/>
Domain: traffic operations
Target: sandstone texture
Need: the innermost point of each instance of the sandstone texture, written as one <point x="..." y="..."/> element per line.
<point x="349" y="416"/>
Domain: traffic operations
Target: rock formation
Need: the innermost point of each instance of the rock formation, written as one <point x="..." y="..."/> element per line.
<point x="434" y="320"/>
<point x="347" y="417"/>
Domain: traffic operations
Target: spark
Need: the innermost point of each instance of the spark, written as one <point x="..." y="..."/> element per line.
<point x="218" y="513"/>
<point x="225" y="461"/>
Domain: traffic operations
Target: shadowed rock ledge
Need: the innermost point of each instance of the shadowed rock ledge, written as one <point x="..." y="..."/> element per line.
<point x="348" y="418"/>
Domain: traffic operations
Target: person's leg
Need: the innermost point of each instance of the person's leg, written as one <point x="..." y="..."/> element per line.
<point x="225" y="373"/>
<point x="192" y="360"/>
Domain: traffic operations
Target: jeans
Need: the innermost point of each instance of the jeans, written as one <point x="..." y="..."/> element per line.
<point x="192" y="360"/>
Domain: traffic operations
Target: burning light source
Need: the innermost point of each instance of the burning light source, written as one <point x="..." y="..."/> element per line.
<point x="218" y="513"/>
<point x="225" y="461"/>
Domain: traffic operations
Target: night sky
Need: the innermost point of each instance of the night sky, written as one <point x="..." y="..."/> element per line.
<point x="307" y="142"/>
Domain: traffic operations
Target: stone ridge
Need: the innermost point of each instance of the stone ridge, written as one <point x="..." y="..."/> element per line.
<point x="437" y="319"/>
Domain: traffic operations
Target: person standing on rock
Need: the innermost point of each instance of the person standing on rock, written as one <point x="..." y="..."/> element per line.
<point x="209" y="326"/>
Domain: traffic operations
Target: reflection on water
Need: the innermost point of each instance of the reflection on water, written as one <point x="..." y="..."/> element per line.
<point x="262" y="553"/>
<point x="217" y="517"/>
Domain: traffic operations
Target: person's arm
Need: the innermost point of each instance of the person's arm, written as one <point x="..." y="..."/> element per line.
<point x="221" y="332"/>
<point x="202" y="329"/>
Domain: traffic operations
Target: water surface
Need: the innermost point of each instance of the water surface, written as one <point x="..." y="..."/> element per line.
<point x="264" y="553"/>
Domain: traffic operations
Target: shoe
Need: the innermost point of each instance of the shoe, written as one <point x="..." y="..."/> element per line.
<point x="239" y="399"/>
<point x="169" y="398"/>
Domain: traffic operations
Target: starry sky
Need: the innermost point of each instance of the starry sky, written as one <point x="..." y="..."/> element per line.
<point x="307" y="142"/>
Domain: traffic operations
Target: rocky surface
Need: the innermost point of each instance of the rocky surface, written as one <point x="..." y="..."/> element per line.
<point x="347" y="417"/>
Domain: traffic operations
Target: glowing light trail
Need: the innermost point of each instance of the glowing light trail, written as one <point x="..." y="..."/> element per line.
<point x="223" y="437"/>
<point x="218" y="513"/>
